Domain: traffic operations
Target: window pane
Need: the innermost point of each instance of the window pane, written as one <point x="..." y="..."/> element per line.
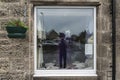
<point x="65" y="38"/>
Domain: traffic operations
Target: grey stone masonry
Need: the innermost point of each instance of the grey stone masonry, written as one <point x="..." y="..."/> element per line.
<point x="117" y="40"/>
<point x="17" y="55"/>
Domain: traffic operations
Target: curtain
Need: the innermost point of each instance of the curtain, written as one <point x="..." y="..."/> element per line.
<point x="39" y="49"/>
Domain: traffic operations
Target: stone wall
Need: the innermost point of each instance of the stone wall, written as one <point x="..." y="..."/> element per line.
<point x="16" y="55"/>
<point x="117" y="40"/>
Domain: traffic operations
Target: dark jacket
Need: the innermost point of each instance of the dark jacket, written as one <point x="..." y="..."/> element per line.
<point x="62" y="47"/>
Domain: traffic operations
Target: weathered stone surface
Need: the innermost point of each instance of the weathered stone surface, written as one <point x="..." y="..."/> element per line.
<point x="117" y="75"/>
<point x="4" y="76"/>
<point x="102" y="51"/>
<point x="58" y="0"/>
<point x="98" y="64"/>
<point x="106" y="10"/>
<point x="18" y="54"/>
<point x="118" y="25"/>
<point x="4" y="6"/>
<point x="20" y="47"/>
<point x="117" y="40"/>
<point x="109" y="78"/>
<point x="117" y="9"/>
<point x="3" y="34"/>
<point x="98" y="37"/>
<point x="9" y="0"/>
<point x="109" y="73"/>
<point x="4" y="42"/>
<point x="17" y="76"/>
<point x="18" y="10"/>
<point x="3" y="23"/>
<point x="118" y="50"/>
<point x="5" y="48"/>
<point x="66" y="78"/>
<point x="4" y="65"/>
<point x="106" y="37"/>
<point x="104" y="64"/>
<point x="16" y="45"/>
<point x="106" y="27"/>
<point x="4" y="13"/>
<point x="102" y="75"/>
<point x="18" y="64"/>
<point x="4" y="54"/>
<point x="117" y="58"/>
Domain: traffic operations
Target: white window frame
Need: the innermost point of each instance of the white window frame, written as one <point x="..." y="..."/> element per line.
<point x="77" y="72"/>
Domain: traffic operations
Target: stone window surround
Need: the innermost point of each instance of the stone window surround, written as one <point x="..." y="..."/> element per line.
<point x="50" y="3"/>
<point x="63" y="3"/>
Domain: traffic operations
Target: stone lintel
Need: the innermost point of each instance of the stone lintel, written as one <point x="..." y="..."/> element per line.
<point x="63" y="3"/>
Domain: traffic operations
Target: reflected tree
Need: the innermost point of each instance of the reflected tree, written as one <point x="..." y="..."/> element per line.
<point x="52" y="35"/>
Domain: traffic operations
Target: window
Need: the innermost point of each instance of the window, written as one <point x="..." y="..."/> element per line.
<point x="65" y="41"/>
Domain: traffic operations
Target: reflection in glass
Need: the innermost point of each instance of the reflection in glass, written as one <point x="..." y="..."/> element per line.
<point x="65" y="39"/>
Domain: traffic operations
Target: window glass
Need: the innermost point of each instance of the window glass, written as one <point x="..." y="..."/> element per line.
<point x="65" y="38"/>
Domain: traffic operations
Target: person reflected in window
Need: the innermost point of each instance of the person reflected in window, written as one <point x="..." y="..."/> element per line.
<point x="62" y="51"/>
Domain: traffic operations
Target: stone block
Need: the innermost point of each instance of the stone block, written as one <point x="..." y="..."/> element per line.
<point x="117" y="50"/>
<point x="104" y="64"/>
<point x="66" y="78"/>
<point x="21" y="47"/>
<point x="19" y="41"/>
<point x="106" y="37"/>
<point x="4" y="6"/>
<point x="31" y="64"/>
<point x="102" y="75"/>
<point x="68" y="0"/>
<point x="4" y="65"/>
<point x="99" y="37"/>
<point x="18" y="10"/>
<point x="16" y="45"/>
<point x="19" y="64"/>
<point x="117" y="25"/>
<point x="98" y="65"/>
<point x="102" y="51"/>
<point x="4" y="54"/>
<point x="117" y="9"/>
<point x="19" y="54"/>
<point x="118" y="38"/>
<point x="31" y="51"/>
<point x="4" y="76"/>
<point x="109" y="56"/>
<point x="118" y="64"/>
<point x="17" y="76"/>
<point x="4" y="13"/>
<point x="3" y="23"/>
<point x="106" y="9"/>
<point x="4" y="48"/>
<point x="117" y="75"/>
<point x="106" y="23"/>
<point x="104" y="1"/>
<point x="28" y="76"/>
<point x="4" y="42"/>
<point x="3" y="34"/>
<point x="9" y="0"/>
<point x="109" y="73"/>
<point x="109" y="78"/>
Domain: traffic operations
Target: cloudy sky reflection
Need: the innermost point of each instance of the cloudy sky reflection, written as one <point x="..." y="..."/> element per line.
<point x="61" y="20"/>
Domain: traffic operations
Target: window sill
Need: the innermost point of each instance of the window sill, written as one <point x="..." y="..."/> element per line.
<point x="64" y="73"/>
